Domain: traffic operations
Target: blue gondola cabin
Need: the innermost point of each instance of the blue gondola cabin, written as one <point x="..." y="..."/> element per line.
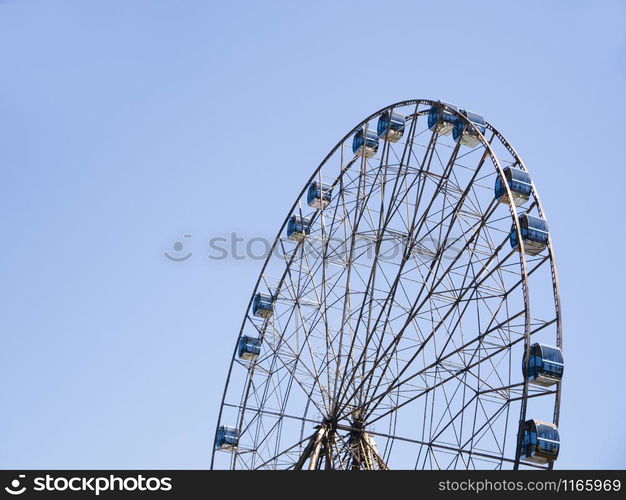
<point x="545" y="365"/>
<point x="467" y="134"/>
<point x="540" y="443"/>
<point x="227" y="438"/>
<point x="298" y="227"/>
<point x="365" y="143"/>
<point x="440" y="119"/>
<point x="263" y="306"/>
<point x="249" y="348"/>
<point x="319" y="195"/>
<point x="534" y="234"/>
<point x="391" y="126"/>
<point x="519" y="184"/>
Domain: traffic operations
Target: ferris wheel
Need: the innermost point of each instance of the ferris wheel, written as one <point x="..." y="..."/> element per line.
<point x="408" y="315"/>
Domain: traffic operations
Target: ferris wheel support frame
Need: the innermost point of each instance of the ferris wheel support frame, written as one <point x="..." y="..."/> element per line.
<point x="316" y="442"/>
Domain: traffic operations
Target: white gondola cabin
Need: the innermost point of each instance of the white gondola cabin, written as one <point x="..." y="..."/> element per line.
<point x="534" y="234"/>
<point x="263" y="306"/>
<point x="440" y="118"/>
<point x="540" y="443"/>
<point x="227" y="438"/>
<point x="519" y="184"/>
<point x="298" y="227"/>
<point x="319" y="195"/>
<point x="545" y="365"/>
<point x="249" y="348"/>
<point x="467" y="134"/>
<point x="365" y="143"/>
<point x="391" y="126"/>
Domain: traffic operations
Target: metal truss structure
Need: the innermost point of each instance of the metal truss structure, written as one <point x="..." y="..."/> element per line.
<point x="401" y="318"/>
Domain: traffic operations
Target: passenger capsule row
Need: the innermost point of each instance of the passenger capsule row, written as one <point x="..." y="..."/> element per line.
<point x="441" y="119"/>
<point x="248" y="349"/>
<point x="534" y="230"/>
<point x="540" y="442"/>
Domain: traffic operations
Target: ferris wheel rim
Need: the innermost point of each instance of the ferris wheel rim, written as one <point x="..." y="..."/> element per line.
<point x="513" y="211"/>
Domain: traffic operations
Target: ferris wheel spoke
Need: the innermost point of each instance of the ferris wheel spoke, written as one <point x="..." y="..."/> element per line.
<point x="297" y="298"/>
<point x="441" y="358"/>
<point x="259" y="424"/>
<point x="347" y="289"/>
<point x="496" y="458"/>
<point x="307" y="338"/>
<point x="416" y="308"/>
<point x="437" y="260"/>
<point x="289" y="366"/>
<point x="432" y="292"/>
<point x="480" y="299"/>
<point x="474" y="439"/>
<point x="395" y="187"/>
<point x="478" y="340"/>
<point x="478" y="397"/>
<point x="274" y="458"/>
<point x="447" y="412"/>
<point x="418" y="224"/>
<point x="469" y="367"/>
<point x="437" y="191"/>
<point x="270" y="389"/>
<point x="350" y="260"/>
<point x="452" y="419"/>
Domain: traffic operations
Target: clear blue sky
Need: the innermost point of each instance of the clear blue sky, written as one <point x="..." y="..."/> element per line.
<point x="126" y="124"/>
